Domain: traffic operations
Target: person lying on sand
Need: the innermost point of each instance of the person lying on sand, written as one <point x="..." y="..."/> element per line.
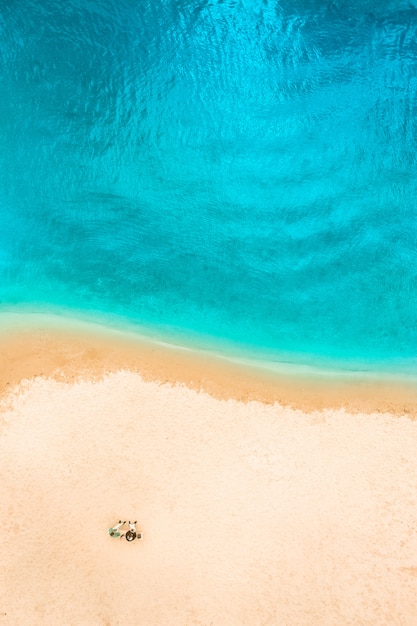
<point x="131" y="533"/>
<point x="114" y="531"/>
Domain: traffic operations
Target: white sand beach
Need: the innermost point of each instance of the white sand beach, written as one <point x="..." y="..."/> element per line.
<point x="295" y="512"/>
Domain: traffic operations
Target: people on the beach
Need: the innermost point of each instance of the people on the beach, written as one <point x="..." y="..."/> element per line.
<point x="114" y="531"/>
<point x="130" y="535"/>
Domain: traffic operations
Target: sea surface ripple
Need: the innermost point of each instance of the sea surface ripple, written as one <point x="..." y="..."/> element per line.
<point x="236" y="171"/>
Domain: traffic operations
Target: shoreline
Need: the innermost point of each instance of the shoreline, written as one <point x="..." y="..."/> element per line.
<point x="66" y="349"/>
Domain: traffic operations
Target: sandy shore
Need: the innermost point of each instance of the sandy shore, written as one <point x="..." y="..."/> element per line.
<point x="67" y="350"/>
<point x="262" y="500"/>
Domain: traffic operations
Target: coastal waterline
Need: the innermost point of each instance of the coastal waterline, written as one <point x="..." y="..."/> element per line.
<point x="241" y="172"/>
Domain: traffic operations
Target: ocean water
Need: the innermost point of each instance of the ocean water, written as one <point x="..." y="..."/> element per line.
<point x="239" y="172"/>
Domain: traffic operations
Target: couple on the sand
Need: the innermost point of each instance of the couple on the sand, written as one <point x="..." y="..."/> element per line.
<point x="130" y="535"/>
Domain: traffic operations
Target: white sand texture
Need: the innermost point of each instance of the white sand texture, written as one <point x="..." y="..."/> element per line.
<point x="251" y="514"/>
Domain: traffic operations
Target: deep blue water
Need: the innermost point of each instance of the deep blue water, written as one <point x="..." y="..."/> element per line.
<point x="242" y="171"/>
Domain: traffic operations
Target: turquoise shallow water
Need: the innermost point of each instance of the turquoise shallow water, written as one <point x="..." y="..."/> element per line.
<point x="239" y="172"/>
